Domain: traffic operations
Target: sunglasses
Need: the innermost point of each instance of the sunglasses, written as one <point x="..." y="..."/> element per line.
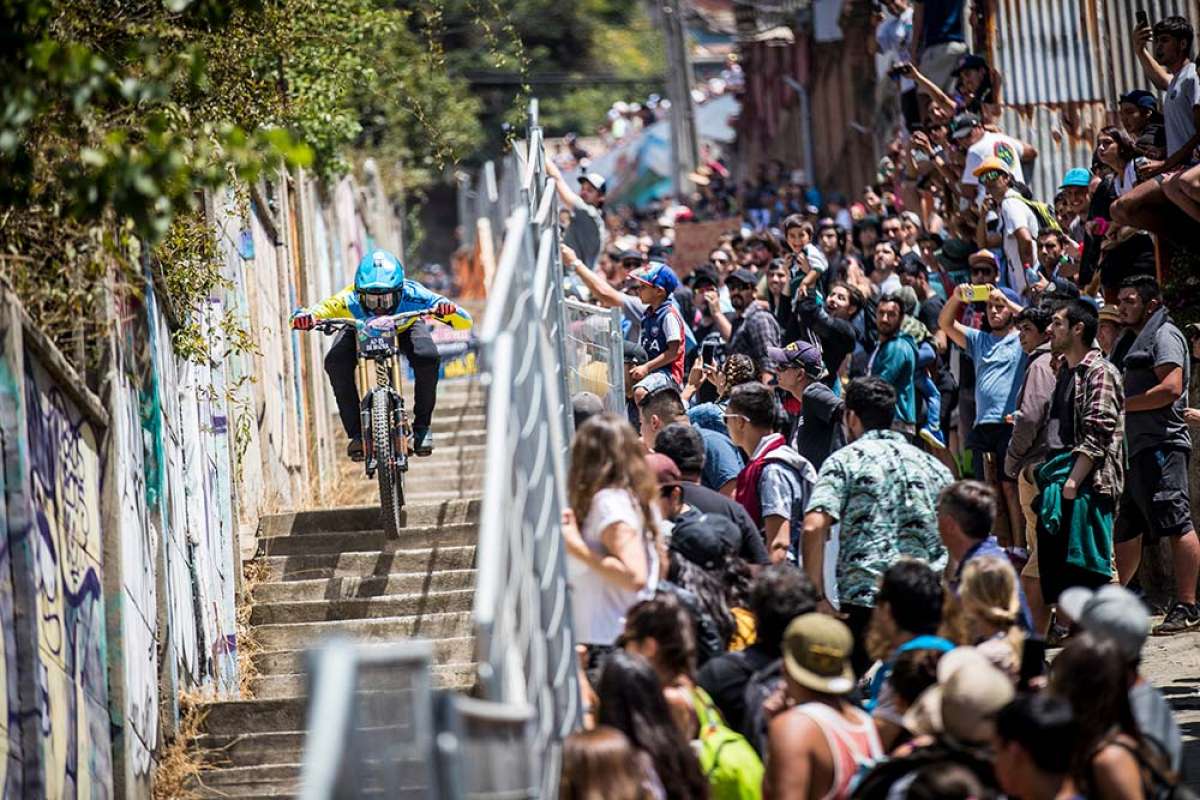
<point x="630" y="263"/>
<point x="727" y="416"/>
<point x="991" y="176"/>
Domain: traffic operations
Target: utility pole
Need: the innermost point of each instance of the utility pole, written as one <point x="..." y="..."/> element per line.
<point x="685" y="150"/>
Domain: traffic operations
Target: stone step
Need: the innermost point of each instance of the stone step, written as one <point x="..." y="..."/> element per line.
<point x="446" y="456"/>
<point x="450" y="675"/>
<point x="460" y="420"/>
<point x="288" y="714"/>
<point x="293" y="663"/>
<point x="288" y="613"/>
<point x="368" y="586"/>
<point x="370" y="541"/>
<point x="319" y="566"/>
<point x="465" y="492"/>
<point x="387" y="629"/>
<point x="357" y="489"/>
<point x="273" y="780"/>
<point x="365" y="517"/>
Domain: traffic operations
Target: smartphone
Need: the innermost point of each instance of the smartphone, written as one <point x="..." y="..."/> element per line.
<point x="1033" y="661"/>
<point x="980" y="294"/>
<point x="1142" y="20"/>
<point x="708" y="351"/>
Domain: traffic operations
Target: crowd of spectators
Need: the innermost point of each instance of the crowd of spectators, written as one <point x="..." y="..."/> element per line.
<point x="879" y="456"/>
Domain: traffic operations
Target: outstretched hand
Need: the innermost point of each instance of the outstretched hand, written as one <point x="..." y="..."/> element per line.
<point x="303" y="321"/>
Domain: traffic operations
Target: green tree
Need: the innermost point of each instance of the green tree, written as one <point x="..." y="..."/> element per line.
<point x="114" y="117"/>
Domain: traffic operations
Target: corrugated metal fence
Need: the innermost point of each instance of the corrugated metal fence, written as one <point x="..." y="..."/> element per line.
<point x="1064" y="63"/>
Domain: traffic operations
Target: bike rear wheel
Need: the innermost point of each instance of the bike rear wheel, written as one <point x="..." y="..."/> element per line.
<point x="391" y="479"/>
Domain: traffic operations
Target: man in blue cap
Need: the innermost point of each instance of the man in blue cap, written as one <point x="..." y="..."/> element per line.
<point x="999" y="371"/>
<point x="1075" y="191"/>
<point x="662" y="331"/>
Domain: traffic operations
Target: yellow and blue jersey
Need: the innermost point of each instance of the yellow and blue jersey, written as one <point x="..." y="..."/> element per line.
<point x="413" y="297"/>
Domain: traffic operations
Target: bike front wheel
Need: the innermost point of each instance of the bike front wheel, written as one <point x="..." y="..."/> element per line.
<point x="391" y="479"/>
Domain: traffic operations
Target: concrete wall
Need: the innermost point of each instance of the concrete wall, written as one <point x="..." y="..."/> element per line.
<point x="125" y="518"/>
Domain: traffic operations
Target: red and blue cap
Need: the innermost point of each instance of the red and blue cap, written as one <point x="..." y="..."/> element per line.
<point x="657" y="274"/>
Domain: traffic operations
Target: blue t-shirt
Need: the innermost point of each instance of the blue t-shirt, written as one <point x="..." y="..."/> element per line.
<point x="943" y="22"/>
<point x="722" y="460"/>
<point x="999" y="369"/>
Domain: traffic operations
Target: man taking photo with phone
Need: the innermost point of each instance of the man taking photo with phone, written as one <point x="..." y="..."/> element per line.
<point x="999" y="370"/>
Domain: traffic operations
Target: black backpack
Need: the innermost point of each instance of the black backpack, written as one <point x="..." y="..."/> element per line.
<point x="761" y="685"/>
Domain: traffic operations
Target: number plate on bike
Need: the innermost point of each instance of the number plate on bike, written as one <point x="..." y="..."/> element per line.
<point x="381" y="345"/>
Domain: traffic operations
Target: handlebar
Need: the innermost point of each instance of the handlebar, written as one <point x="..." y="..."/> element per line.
<point x="382" y="323"/>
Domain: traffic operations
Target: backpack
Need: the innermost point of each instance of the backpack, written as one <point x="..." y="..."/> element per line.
<point x="761" y="685"/>
<point x="734" y="771"/>
<point x="1044" y="213"/>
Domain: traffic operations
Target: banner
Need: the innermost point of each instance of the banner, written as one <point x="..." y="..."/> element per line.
<point x="695" y="240"/>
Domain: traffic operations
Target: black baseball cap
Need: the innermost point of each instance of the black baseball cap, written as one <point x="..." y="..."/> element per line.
<point x="1061" y="288"/>
<point x="743" y="276"/>
<point x="930" y="236"/>
<point x="1140" y="98"/>
<point x="704" y="275"/>
<point x="970" y="61"/>
<point x="706" y="540"/>
<point x="911" y="264"/>
<point x="963" y="124"/>
<point x="800" y="354"/>
<point x="631" y="255"/>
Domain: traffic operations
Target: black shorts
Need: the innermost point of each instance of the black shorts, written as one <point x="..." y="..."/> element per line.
<point x="991" y="438"/>
<point x="1155" y="501"/>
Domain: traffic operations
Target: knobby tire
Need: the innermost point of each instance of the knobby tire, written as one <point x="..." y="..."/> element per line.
<point x="391" y="480"/>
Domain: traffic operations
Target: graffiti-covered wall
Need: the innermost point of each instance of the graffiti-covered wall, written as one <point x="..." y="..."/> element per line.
<point x="126" y="515"/>
<point x="53" y="599"/>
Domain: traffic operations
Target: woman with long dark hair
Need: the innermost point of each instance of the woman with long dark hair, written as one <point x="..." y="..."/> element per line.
<point x="614" y="549"/>
<point x="1115" y="251"/>
<point x="1116" y="150"/>
<point x="1112" y="760"/>
<point x="630" y="699"/>
<point x="661" y="630"/>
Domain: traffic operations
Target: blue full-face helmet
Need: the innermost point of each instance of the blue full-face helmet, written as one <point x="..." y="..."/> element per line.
<point x="379" y="281"/>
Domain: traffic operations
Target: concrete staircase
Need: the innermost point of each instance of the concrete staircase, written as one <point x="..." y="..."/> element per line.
<point x="324" y="573"/>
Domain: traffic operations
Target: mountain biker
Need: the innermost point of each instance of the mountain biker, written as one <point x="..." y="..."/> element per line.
<point x="380" y="289"/>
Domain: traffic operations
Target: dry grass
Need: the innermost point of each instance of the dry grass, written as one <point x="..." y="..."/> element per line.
<point x="254" y="572"/>
<point x="179" y="765"/>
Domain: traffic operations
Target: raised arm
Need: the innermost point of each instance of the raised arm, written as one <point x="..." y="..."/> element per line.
<point x="1156" y="73"/>
<point x="602" y="290"/>
<point x="948" y="320"/>
<point x="565" y="193"/>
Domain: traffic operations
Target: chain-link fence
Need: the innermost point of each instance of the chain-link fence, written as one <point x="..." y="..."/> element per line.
<point x="595" y="353"/>
<point x="522" y="606"/>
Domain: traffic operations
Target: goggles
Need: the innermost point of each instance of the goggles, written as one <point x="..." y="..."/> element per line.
<point x="377" y="303"/>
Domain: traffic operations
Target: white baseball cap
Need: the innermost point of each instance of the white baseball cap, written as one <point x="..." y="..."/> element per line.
<point x="1112" y="611"/>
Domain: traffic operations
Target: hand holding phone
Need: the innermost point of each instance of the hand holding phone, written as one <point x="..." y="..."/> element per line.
<point x="973" y="293"/>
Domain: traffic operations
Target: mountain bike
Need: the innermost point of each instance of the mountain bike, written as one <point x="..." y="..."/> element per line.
<point x="385" y="425"/>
